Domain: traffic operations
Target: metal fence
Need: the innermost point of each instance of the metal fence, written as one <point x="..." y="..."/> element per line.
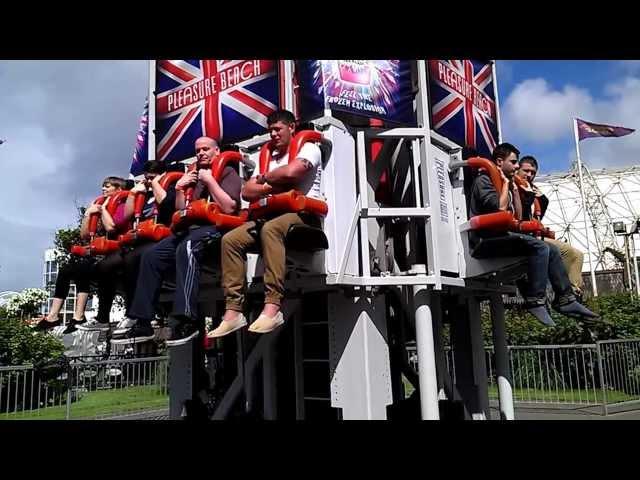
<point x="620" y="360"/>
<point x="86" y="388"/>
<point x="605" y="374"/>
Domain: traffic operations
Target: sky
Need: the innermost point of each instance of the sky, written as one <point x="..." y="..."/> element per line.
<point x="538" y="100"/>
<point x="69" y="124"/>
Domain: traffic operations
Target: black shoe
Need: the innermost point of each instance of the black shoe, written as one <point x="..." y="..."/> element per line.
<point x="137" y="334"/>
<point x="140" y="330"/>
<point x="182" y="331"/>
<point x="44" y="325"/>
<point x="540" y="312"/>
<point x="576" y="310"/>
<point x="72" y="325"/>
<point x="538" y="308"/>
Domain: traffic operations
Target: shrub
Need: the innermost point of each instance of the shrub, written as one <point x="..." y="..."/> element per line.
<point x="620" y="313"/>
<point x="20" y="345"/>
<point x="26" y="303"/>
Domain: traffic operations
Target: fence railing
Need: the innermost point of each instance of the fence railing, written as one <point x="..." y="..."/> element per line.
<point x="556" y="374"/>
<point x="84" y="389"/>
<point x="620" y="360"/>
<point x="604" y="374"/>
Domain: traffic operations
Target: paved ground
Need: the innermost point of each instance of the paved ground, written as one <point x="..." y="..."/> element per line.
<point x="534" y="413"/>
<point x="150" y="415"/>
<point x="620" y="411"/>
<point x="578" y="414"/>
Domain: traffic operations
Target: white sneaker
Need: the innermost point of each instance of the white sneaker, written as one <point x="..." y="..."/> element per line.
<point x="93" y="325"/>
<point x="125" y="324"/>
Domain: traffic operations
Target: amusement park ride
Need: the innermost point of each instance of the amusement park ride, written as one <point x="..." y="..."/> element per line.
<point x="389" y="266"/>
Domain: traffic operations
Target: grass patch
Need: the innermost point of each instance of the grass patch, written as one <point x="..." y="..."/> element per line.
<point x="100" y="403"/>
<point x="545" y="396"/>
<point x="566" y="396"/>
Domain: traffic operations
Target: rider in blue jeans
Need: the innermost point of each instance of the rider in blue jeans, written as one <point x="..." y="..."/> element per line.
<point x="184" y="251"/>
<point x="544" y="263"/>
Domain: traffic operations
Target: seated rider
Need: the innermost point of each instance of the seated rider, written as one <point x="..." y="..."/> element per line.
<point x="182" y="250"/>
<point x="82" y="270"/>
<point x="543" y="259"/>
<point x="302" y="173"/>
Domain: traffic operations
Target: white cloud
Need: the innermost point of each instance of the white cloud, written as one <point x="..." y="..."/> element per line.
<point x="68" y="124"/>
<point x="621" y="109"/>
<point x="27" y="157"/>
<point x="537" y="113"/>
<point x="21" y="255"/>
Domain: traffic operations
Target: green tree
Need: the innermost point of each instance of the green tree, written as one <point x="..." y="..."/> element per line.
<point x="20" y="345"/>
<point x="65" y="238"/>
<point x="26" y="304"/>
<point x="620" y="315"/>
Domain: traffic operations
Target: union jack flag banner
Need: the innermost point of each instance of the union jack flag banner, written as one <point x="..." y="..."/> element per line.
<point x="140" y="153"/>
<point x="463" y="107"/>
<point x="228" y="100"/>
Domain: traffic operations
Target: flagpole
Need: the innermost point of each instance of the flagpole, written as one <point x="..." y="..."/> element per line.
<point x="635" y="265"/>
<point x="151" y="127"/>
<point x="584" y="207"/>
<point x="497" y="99"/>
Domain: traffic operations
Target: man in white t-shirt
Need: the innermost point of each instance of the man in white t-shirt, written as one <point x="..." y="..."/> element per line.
<point x="302" y="173"/>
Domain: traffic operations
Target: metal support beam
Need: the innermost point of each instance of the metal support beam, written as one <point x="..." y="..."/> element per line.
<point x="269" y="384"/>
<point x="469" y="359"/>
<point x="445" y="388"/>
<point x="359" y="356"/>
<point x="426" y="356"/>
<point x="236" y="388"/>
<point x="181" y="386"/>
<point x="298" y="366"/>
<point x="503" y="368"/>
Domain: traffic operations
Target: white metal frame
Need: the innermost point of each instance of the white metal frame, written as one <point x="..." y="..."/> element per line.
<point x="420" y="138"/>
<point x="424" y="279"/>
<point x="619" y="190"/>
